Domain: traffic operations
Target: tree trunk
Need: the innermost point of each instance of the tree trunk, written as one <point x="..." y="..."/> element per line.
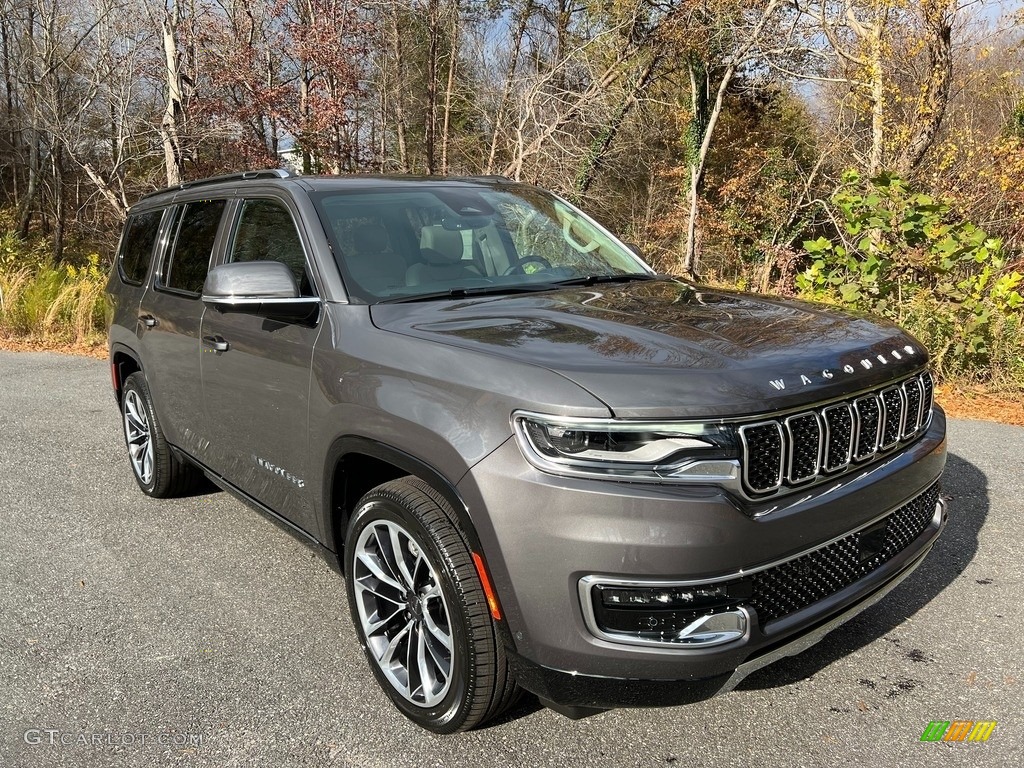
<point x="431" y="111"/>
<point x="453" y="58"/>
<point x="307" y="156"/>
<point x="598" y="150"/>
<point x="59" y="206"/>
<point x="400" y="126"/>
<point x="9" y="120"/>
<point x="510" y="72"/>
<point x="32" y="187"/>
<point x="174" y="164"/>
<point x="931" y="107"/>
<point x="700" y="91"/>
<point x="119" y="204"/>
<point x="700" y="86"/>
<point x="876" y="161"/>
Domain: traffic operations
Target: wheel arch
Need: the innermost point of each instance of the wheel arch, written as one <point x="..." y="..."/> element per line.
<point x="355" y="465"/>
<point x="123" y="363"/>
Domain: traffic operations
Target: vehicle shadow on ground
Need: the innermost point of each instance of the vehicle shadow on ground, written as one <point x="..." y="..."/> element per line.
<point x="966" y="488"/>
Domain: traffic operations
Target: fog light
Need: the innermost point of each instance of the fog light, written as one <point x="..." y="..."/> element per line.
<point x="706" y="614"/>
<point x="672" y="597"/>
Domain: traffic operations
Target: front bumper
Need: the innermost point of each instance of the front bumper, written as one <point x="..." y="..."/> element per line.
<point x="543" y="536"/>
<point x="579" y="693"/>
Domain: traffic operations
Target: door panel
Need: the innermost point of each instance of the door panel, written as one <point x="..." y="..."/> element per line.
<point x="256" y="390"/>
<point x="257" y="400"/>
<point x="170" y="316"/>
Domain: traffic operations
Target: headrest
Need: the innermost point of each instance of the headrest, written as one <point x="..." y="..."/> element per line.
<point x="370" y="238"/>
<point x="441" y="245"/>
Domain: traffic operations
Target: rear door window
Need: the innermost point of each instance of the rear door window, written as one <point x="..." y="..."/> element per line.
<point x="193" y="246"/>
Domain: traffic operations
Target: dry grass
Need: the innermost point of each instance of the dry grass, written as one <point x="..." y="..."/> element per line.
<point x="53" y="305"/>
<point x="978" y="403"/>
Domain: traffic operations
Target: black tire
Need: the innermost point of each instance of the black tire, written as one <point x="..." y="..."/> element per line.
<point x="479" y="685"/>
<point x="164" y="475"/>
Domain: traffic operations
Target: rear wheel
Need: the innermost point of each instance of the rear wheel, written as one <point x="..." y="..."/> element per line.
<point x="157" y="470"/>
<point x="420" y="610"/>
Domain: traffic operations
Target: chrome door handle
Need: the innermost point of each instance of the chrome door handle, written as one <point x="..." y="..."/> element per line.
<point x="148" y="320"/>
<point x="217" y="343"/>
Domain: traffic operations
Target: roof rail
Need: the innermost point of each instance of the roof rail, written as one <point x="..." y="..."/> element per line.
<point x="268" y="173"/>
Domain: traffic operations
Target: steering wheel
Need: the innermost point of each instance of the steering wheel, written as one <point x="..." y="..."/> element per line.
<point x="517" y="268"/>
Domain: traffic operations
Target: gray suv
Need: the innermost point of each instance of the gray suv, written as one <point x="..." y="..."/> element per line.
<point x="538" y="464"/>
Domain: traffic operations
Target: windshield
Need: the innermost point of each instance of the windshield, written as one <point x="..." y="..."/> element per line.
<point x="457" y="239"/>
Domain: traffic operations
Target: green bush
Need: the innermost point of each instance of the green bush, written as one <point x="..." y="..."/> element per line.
<point x="908" y="257"/>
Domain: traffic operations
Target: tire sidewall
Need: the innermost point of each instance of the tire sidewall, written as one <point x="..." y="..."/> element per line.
<point x="138" y="385"/>
<point x="449" y="714"/>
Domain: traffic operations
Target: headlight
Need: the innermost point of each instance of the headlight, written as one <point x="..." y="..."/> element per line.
<point x="628" y="450"/>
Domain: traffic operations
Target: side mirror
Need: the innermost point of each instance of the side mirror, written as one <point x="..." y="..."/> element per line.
<point x="261" y="288"/>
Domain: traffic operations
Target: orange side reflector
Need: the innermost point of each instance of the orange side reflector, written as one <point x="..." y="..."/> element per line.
<point x="492" y="599"/>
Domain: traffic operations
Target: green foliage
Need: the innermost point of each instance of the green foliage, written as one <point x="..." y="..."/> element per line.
<point x="1015" y="125"/>
<point x="909" y="257"/>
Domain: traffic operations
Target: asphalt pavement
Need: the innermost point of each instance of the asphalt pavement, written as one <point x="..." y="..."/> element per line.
<point x="136" y="632"/>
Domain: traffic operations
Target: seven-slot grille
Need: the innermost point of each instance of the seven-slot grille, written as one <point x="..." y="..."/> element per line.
<point x="796" y="584"/>
<point x="826" y="441"/>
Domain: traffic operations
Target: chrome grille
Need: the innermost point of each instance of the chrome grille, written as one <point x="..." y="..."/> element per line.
<point x="838" y="436"/>
<point x="914" y="394"/>
<point x="762" y="455"/>
<point x="819" y="442"/>
<point x="892" y="417"/>
<point x="869" y="422"/>
<point x="805" y="444"/>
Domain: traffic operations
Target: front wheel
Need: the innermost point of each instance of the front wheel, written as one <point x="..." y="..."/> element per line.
<point x="420" y="611"/>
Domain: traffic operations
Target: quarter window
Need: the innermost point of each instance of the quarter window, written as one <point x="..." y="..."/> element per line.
<point x="193" y="246"/>
<point x="140" y="233"/>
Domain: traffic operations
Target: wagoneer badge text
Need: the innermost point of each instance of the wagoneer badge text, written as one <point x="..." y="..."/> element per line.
<point x="279" y="471"/>
<point x="866" y="364"/>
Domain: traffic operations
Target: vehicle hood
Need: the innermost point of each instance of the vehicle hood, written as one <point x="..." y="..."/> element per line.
<point x="666" y="348"/>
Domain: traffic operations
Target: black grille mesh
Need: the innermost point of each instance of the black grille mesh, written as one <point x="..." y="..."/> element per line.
<point x="868" y="415"/>
<point x="892" y="425"/>
<point x="839" y="421"/>
<point x="805" y="443"/>
<point x="763" y="455"/>
<point x="808" y="444"/>
<point x="913" y="390"/>
<point x="929" y="393"/>
<point x="805" y="580"/>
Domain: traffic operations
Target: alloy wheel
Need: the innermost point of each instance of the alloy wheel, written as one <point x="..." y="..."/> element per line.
<point x="403" y="613"/>
<point x="138" y="436"/>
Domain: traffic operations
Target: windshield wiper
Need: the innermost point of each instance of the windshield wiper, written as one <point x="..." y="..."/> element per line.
<point x="594" y="279"/>
<point x="467" y="293"/>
